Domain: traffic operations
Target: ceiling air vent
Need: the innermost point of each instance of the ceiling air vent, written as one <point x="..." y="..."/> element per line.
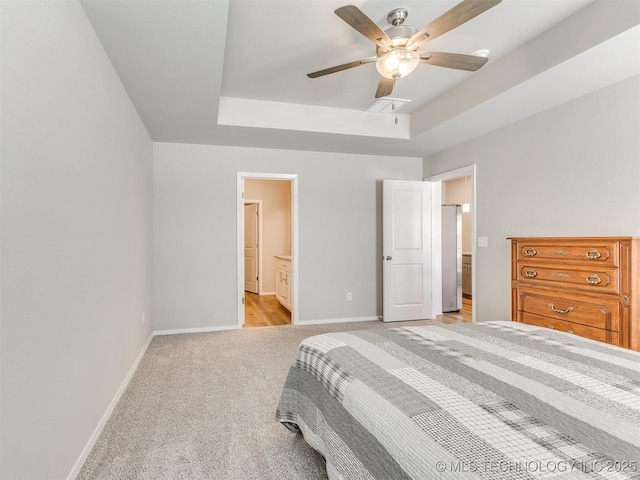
<point x="387" y="105"/>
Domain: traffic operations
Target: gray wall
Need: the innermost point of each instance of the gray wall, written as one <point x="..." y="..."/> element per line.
<point x="194" y="208"/>
<point x="75" y="244"/>
<point x="573" y="170"/>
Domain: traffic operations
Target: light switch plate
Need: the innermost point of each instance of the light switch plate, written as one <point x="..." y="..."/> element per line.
<point x="483" y="242"/>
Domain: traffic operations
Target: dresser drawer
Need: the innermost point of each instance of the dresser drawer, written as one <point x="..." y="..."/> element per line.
<point x="593" y="312"/>
<point x="599" y="334"/>
<point x="601" y="280"/>
<point x="601" y="253"/>
<point x="285" y="265"/>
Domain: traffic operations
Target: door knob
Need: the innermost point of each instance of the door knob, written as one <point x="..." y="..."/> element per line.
<point x="387" y="257"/>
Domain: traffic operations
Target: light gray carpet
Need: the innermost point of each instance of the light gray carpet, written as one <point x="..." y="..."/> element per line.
<point x="202" y="405"/>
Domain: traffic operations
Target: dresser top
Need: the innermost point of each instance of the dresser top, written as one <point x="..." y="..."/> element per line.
<point x="570" y="239"/>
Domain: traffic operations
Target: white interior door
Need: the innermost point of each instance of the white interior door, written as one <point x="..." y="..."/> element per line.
<point x="251" y="247"/>
<point x="406" y="247"/>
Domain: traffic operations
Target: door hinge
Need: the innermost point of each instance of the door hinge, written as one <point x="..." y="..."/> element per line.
<point x="257" y="278"/>
<point x="243" y="300"/>
<point x="242" y="194"/>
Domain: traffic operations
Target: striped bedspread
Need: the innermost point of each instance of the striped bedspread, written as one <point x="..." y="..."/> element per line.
<point x="495" y="400"/>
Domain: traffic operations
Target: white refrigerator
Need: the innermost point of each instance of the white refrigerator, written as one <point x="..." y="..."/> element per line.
<point x="451" y="258"/>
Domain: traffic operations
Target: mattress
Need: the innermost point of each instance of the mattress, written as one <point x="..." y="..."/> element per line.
<point x="494" y="400"/>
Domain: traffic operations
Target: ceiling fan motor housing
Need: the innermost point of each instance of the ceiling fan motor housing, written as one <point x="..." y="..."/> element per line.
<point x="399" y="36"/>
<point x="399" y="33"/>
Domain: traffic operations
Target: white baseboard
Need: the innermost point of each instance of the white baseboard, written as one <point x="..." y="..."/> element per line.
<point x="338" y="320"/>
<point x="96" y="433"/>
<point x="196" y="330"/>
<point x="267" y="293"/>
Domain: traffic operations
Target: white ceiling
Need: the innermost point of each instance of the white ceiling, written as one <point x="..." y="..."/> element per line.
<point x="234" y="72"/>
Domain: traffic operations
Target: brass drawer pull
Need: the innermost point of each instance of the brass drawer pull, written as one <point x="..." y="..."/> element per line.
<point x="531" y="273"/>
<point x="594" y="279"/>
<point x="558" y="310"/>
<point x="530" y="252"/>
<point x="551" y="327"/>
<point x="569" y="331"/>
<point x="593" y="254"/>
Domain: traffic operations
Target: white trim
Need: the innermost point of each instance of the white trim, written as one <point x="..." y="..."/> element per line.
<point x="452" y="174"/>
<point x="457" y="173"/>
<point x="268" y="293"/>
<point x="105" y="417"/>
<point x="293" y="178"/>
<point x="339" y="320"/>
<point x="436" y="246"/>
<point x="196" y="330"/>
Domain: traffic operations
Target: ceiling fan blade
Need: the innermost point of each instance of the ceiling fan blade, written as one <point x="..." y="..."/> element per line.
<point x="471" y="63"/>
<point x="363" y="24"/>
<point x="339" y="68"/>
<point x="385" y="87"/>
<point x="461" y="13"/>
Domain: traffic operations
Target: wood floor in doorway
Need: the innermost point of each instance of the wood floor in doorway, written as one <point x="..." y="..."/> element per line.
<point x="264" y="311"/>
<point x="463" y="316"/>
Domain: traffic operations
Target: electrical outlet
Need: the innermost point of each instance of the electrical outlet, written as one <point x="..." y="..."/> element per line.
<point x="349" y="296"/>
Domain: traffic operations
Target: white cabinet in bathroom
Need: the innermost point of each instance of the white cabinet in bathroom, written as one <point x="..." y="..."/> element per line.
<point x="284" y="282"/>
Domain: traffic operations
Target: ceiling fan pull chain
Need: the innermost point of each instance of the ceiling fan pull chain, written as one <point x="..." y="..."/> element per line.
<point x="393" y="109"/>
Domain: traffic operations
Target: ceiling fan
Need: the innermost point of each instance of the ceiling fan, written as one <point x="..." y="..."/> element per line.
<point x="397" y="52"/>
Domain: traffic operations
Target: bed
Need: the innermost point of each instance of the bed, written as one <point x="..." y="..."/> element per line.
<point x="494" y="400"/>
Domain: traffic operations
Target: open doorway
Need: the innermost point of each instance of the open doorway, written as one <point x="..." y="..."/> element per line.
<point x="267" y="242"/>
<point x="456" y="188"/>
<point x="457" y="291"/>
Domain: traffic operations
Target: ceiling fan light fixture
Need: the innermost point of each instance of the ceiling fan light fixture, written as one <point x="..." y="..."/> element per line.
<point x="397" y="63"/>
<point x="482" y="53"/>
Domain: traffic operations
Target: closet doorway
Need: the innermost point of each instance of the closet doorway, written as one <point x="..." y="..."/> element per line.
<point x="457" y="187"/>
<point x="456" y="195"/>
<point x="266" y="250"/>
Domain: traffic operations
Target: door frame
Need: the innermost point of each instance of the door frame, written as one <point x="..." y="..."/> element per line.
<point x="259" y="266"/>
<point x="436" y="217"/>
<point x="293" y="178"/>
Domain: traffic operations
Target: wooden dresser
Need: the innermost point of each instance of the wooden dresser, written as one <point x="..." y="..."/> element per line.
<point x="589" y="286"/>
